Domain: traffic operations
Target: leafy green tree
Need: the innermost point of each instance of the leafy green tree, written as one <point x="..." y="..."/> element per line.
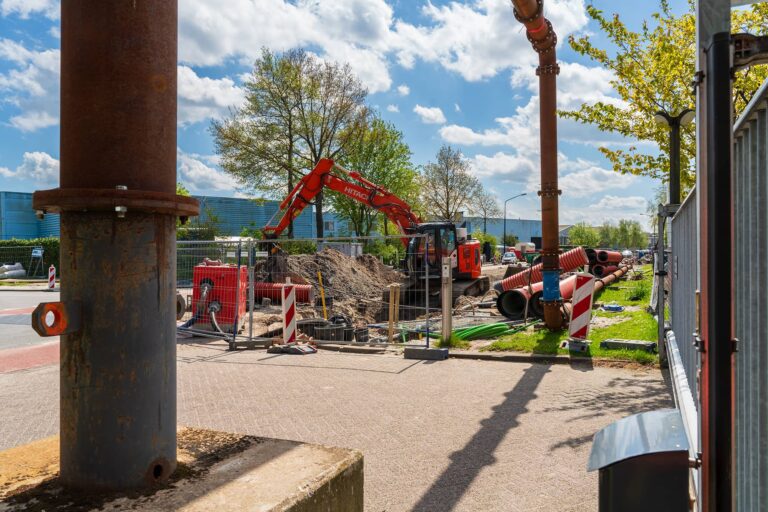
<point x="485" y="237"/>
<point x="653" y="70"/>
<point x="583" y="235"/>
<point x="448" y="185"/>
<point x="607" y="235"/>
<point x="511" y="240"/>
<point x="298" y="109"/>
<point x="379" y="153"/>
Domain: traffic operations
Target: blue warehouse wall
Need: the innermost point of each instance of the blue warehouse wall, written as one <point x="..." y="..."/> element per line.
<point x="523" y="229"/>
<point x="18" y="220"/>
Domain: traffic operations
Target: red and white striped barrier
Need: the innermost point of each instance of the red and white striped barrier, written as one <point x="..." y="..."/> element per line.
<point x="51" y="278"/>
<point x="289" y="313"/>
<point x="581" y="312"/>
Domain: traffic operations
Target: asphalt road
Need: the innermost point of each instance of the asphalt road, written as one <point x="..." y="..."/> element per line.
<point x="15" y="310"/>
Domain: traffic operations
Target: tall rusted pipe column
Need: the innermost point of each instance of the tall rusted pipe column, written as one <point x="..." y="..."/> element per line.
<point x="544" y="40"/>
<point x="118" y="208"/>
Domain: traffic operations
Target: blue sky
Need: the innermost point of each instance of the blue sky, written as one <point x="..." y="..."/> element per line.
<point x="444" y="72"/>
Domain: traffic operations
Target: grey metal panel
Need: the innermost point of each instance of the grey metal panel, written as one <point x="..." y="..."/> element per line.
<point x="750" y="188"/>
<point x="639" y="434"/>
<point x="684" y="269"/>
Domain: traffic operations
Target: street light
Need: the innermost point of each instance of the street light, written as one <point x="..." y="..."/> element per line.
<point x="504" y="240"/>
<point x="674" y="123"/>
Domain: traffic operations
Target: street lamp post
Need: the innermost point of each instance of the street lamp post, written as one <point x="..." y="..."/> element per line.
<point x="674" y="123"/>
<point x="504" y="239"/>
<point x="665" y="211"/>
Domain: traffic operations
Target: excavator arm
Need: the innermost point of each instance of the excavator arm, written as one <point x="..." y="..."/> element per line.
<point x="361" y="190"/>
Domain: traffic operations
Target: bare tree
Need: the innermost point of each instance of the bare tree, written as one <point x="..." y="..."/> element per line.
<point x="487" y="206"/>
<point x="448" y="187"/>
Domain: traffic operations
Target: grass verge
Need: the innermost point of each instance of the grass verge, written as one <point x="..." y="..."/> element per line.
<point x="636" y="325"/>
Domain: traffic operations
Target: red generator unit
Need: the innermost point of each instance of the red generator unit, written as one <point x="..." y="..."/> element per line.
<point x="218" y="296"/>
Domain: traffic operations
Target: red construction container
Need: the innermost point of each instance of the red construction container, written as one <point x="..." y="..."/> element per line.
<point x="224" y="283"/>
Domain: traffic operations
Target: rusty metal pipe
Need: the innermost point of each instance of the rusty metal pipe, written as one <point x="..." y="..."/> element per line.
<point x="544" y="40"/>
<point x="118" y="241"/>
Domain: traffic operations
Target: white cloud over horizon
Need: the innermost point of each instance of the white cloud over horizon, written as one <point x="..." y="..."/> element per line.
<point x="38" y="167"/>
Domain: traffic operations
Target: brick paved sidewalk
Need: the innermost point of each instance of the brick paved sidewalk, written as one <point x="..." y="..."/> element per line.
<point x="451" y="435"/>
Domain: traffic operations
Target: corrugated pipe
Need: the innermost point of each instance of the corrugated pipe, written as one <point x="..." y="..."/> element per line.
<point x="600" y="284"/>
<point x="569" y="261"/>
<point x="511" y="303"/>
<point x="305" y="293"/>
<point x="544" y="41"/>
<point x="603" y="270"/>
<point x="592" y="255"/>
<point x="609" y="257"/>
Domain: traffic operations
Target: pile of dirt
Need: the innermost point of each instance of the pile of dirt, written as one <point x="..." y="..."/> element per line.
<point x="344" y="277"/>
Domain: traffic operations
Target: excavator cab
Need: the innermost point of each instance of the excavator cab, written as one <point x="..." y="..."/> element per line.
<point x="425" y="253"/>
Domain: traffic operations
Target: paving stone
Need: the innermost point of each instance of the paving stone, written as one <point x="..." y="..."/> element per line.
<point x="452" y="435"/>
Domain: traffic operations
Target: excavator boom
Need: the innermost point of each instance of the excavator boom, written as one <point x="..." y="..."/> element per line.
<point x="356" y="187"/>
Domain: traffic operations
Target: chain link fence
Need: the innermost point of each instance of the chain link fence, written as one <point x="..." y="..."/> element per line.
<point x="232" y="290"/>
<point x="23" y="262"/>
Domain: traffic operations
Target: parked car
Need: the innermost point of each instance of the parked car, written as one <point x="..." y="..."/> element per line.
<point x="509" y="258"/>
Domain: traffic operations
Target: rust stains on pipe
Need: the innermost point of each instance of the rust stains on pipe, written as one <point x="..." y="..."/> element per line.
<point x="118" y="95"/>
<point x="544" y="40"/>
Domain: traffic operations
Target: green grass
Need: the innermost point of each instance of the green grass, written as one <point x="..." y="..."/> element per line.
<point x="637" y="325"/>
<point x="629" y="293"/>
<point x="452" y="342"/>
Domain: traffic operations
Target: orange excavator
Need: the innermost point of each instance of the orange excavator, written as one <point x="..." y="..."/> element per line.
<point x="423" y="253"/>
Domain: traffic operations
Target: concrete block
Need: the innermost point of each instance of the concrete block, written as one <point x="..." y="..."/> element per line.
<point x="427" y="354"/>
<point x="217" y="471"/>
<point x="617" y="344"/>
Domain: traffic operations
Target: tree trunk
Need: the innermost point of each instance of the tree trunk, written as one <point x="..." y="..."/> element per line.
<point x="319" y="214"/>
<point x="485" y="224"/>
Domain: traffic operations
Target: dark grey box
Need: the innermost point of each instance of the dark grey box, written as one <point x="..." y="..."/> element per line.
<point x="643" y="463"/>
<point x="430" y="354"/>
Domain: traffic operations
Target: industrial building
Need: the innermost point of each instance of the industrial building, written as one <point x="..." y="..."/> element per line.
<point x="232" y="215"/>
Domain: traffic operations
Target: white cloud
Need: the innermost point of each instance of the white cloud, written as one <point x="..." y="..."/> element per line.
<point x="353" y="31"/>
<point x="393" y="108"/>
<point x="195" y="174"/>
<point x="430" y="115"/>
<point x="609" y="208"/>
<point x="479" y="39"/>
<point x="403" y="90"/>
<point x="587" y="178"/>
<point x="202" y="98"/>
<point x="504" y="167"/>
<point x="49" y="8"/>
<point x="31" y="85"/>
<point x="38" y="167"/>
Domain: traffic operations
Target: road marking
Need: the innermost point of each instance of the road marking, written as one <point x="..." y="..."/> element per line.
<point x="20" y="311"/>
<point x="14" y="359"/>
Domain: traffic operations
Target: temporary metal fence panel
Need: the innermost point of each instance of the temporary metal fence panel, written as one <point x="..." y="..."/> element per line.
<point x="683" y="278"/>
<point x="23" y="262"/>
<point x="750" y="268"/>
<point x="211" y="282"/>
<point x="340" y="298"/>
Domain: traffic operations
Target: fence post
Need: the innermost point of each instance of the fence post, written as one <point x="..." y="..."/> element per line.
<point x="251" y="283"/>
<point x="426" y="283"/>
<point x="235" y="325"/>
<point x="660" y="273"/>
<point x="446" y="294"/>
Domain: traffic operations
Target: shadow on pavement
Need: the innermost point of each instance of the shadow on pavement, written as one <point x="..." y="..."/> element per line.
<point x="446" y="492"/>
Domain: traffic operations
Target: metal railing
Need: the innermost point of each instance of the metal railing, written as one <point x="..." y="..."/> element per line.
<point x="750" y="276"/>
<point x="683" y="273"/>
<point x="232" y="290"/>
